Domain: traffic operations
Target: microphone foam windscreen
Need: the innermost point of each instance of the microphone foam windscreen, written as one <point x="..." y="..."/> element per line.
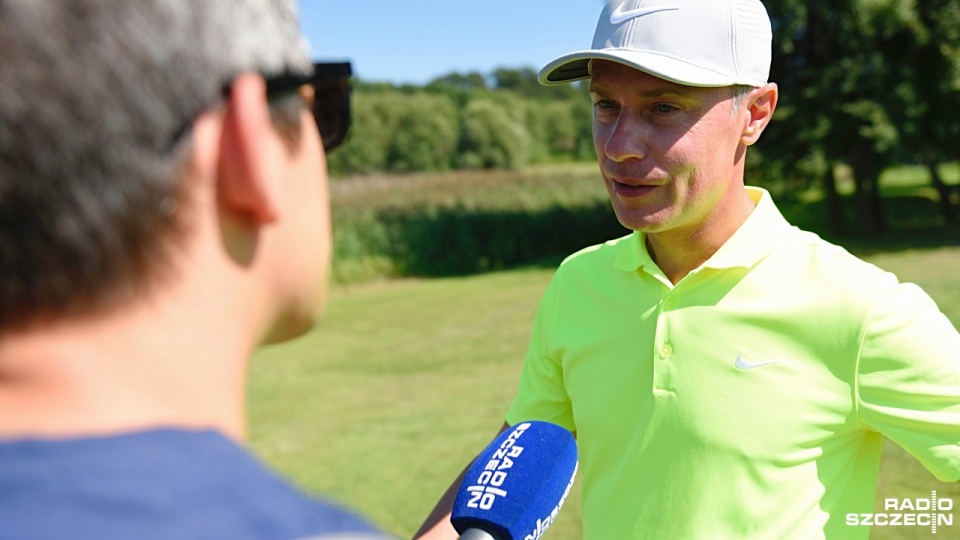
<point x="518" y="483"/>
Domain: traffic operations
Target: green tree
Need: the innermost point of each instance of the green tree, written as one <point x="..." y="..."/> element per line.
<point x="869" y="83"/>
<point x="464" y="81"/>
<point x="562" y="129"/>
<point x="492" y="138"/>
<point x="398" y="131"/>
<point x="465" y="120"/>
<point x="523" y="81"/>
<point x="924" y="52"/>
<point x="426" y="134"/>
<point x="368" y="140"/>
<point x="828" y="70"/>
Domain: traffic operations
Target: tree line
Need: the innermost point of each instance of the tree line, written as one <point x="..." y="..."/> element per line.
<point x="465" y="121"/>
<point x="864" y="83"/>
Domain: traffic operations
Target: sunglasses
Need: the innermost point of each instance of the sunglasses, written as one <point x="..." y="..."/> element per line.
<point x="331" y="103"/>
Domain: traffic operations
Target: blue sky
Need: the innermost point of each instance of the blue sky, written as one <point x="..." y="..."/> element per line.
<point x="415" y="41"/>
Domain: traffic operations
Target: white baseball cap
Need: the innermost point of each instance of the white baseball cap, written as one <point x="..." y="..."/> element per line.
<point x="690" y="42"/>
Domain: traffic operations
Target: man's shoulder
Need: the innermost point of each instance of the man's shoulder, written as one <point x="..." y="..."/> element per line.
<point x="822" y="259"/>
<point x="181" y="483"/>
<point x="598" y="256"/>
<point x="818" y="270"/>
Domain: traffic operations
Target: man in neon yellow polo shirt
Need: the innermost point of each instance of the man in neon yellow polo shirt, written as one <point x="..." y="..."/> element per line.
<point x="728" y="376"/>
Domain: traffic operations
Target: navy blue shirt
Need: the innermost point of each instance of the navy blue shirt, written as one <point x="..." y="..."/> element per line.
<point x="159" y="484"/>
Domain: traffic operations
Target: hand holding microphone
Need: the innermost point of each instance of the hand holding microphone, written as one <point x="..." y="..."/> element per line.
<point x="516" y="486"/>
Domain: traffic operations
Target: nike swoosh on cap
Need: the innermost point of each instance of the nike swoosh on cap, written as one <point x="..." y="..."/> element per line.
<point x="620" y="16"/>
<point x="743" y="364"/>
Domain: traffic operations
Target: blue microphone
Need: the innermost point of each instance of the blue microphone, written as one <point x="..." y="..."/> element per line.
<point x="516" y="486"/>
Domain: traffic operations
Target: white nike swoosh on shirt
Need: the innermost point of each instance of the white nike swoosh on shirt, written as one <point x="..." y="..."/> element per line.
<point x="620" y="16"/>
<point x="743" y="364"/>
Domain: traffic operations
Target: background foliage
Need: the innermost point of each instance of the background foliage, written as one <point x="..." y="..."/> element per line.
<point x="464" y="222"/>
<point x="866" y="85"/>
<point x="504" y="120"/>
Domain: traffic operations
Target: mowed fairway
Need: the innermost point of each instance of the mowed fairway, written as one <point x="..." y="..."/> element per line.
<point x="404" y="381"/>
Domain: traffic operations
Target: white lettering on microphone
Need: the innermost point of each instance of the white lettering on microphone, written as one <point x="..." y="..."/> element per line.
<point x="488" y="486"/>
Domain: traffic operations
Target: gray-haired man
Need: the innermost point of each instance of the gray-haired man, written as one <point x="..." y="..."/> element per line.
<point x="163" y="211"/>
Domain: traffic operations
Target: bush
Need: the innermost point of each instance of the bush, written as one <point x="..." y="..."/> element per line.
<point x="462" y="223"/>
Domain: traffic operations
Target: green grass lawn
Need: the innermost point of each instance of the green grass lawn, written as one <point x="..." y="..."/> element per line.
<point x="404" y="381"/>
<point x="400" y="386"/>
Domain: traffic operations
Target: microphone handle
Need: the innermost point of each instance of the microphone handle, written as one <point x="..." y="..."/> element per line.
<point x="477" y="534"/>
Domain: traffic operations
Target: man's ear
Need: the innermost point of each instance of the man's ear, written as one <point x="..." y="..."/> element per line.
<point x="246" y="187"/>
<point x="761" y="102"/>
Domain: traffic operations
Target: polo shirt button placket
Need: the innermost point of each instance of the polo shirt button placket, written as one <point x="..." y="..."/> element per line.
<point x="666" y="349"/>
<point x="663" y="348"/>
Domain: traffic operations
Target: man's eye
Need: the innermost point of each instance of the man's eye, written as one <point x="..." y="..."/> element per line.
<point x="663" y="108"/>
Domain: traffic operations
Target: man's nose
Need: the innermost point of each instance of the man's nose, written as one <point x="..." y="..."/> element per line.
<point x="627" y="138"/>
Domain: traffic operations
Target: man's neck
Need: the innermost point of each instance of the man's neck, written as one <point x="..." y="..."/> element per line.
<point x="133" y="369"/>
<point x="679" y="252"/>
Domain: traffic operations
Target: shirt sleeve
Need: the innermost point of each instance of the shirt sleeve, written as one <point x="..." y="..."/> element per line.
<point x="542" y="394"/>
<point x="908" y="378"/>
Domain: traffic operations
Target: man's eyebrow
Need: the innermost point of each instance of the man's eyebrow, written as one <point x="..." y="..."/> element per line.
<point x="594" y="88"/>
